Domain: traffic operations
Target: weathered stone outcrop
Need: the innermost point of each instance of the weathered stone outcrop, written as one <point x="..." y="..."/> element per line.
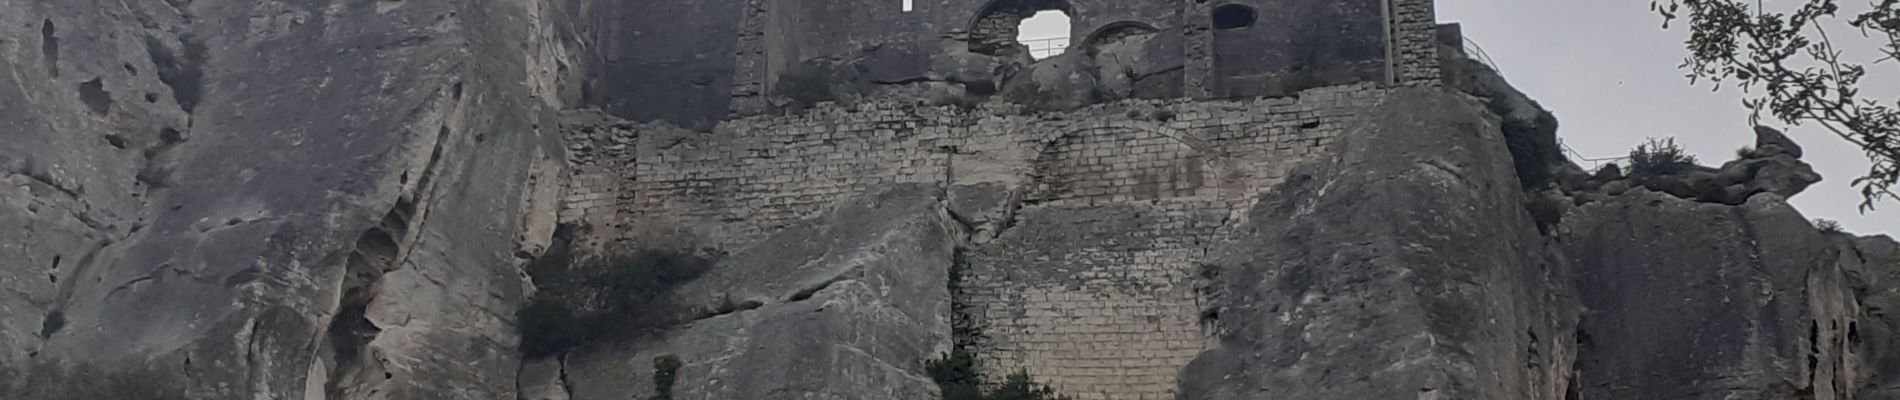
<point x="1773" y="166"/>
<point x="1404" y="268"/>
<point x="845" y="306"/>
<point x="326" y="199"/>
<point x="1692" y="300"/>
<point x="273" y="199"/>
<point x="1872" y="268"/>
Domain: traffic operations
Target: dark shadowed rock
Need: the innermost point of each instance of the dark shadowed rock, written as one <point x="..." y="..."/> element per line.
<point x="1872" y="266"/>
<point x="1690" y="300"/>
<point x="846" y="306"/>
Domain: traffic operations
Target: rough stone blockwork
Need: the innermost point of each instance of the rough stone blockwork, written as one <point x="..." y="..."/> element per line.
<point x="1099" y="303"/>
<point x="1088" y="225"/>
<point x="1414" y="42"/>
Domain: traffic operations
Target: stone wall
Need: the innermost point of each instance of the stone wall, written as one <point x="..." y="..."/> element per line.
<point x="858" y="47"/>
<point x="1415" y="42"/>
<point x="1097" y="302"/>
<point x="1089" y="224"/>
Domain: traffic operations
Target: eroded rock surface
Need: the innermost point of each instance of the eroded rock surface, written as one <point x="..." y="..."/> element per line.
<point x="846" y="306"/>
<point x="1403" y="269"/>
<point x="1691" y="300"/>
<point x="272" y="199"/>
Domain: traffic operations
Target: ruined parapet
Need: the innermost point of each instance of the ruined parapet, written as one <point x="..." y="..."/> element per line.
<point x="1085" y="229"/>
<point x="793" y="53"/>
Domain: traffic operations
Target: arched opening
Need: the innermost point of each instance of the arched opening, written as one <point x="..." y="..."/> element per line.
<point x="1046" y="33"/>
<point x="1039" y="27"/>
<point x="1115" y="32"/>
<point x="1233" y="16"/>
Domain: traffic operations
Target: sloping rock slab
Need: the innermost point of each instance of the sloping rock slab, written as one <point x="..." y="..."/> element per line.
<point x="849" y="306"/>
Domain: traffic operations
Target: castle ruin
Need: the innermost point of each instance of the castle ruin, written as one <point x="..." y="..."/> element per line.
<point x="1087" y="225"/>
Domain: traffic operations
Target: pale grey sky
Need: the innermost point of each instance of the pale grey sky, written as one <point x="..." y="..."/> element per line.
<point x="1609" y="72"/>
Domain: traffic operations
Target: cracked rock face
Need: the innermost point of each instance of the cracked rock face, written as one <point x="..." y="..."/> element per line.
<point x="327" y="199"/>
<point x="1387" y="276"/>
<point x="271" y="199"/>
<point x="1692" y="300"/>
<point x="844" y="306"/>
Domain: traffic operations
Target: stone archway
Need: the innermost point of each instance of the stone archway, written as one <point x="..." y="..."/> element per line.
<point x="995" y="28"/>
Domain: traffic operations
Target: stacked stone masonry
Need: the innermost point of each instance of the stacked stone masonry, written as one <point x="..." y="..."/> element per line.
<point x="1088" y="280"/>
<point x="1097" y="302"/>
<point x="1415" y="42"/>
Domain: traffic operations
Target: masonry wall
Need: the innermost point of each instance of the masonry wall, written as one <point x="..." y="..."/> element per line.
<point x="1091" y="223"/>
<point x="1415" y="42"/>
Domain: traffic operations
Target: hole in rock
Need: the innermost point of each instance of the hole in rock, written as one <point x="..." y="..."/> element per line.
<point x="1233" y="16"/>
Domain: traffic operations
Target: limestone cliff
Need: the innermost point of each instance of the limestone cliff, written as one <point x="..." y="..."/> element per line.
<point x="272" y="199"/>
<point x="1404" y="268"/>
<point x="329" y="199"/>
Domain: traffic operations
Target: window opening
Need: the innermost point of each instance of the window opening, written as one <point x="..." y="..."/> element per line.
<point x="1233" y="16"/>
<point x="1046" y="33"/>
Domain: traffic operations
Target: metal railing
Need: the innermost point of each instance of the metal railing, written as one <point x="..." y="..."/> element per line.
<point x="1477" y="53"/>
<point x="1595" y="163"/>
<point x="1043" y="48"/>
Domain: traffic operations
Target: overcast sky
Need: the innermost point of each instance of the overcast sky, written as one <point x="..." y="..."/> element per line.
<point x="1609" y="72"/>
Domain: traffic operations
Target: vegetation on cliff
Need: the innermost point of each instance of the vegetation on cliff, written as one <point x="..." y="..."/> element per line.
<point x="956" y="375"/>
<point x="1660" y="157"/>
<point x="1790" y="68"/>
<point x="49" y="381"/>
<point x="585" y="297"/>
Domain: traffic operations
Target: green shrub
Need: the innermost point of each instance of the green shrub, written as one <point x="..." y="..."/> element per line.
<point x="1660" y="157"/>
<point x="583" y="298"/>
<point x="956" y="376"/>
<point x="666" y="370"/>
<point x="48" y="381"/>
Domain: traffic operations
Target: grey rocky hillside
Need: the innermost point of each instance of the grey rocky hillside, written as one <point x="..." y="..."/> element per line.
<point x="858" y="199"/>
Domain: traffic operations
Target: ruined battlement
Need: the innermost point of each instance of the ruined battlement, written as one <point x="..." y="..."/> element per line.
<point x="1091" y="185"/>
<point x="716" y="59"/>
<point x="1086" y="227"/>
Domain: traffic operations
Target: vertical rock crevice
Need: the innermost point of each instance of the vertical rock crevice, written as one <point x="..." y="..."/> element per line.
<point x="49" y="46"/>
<point x="180" y="69"/>
<point x="350" y="363"/>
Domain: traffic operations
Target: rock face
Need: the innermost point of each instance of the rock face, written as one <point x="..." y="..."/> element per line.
<point x="273" y="199"/>
<point x="1773" y="166"/>
<point x="1712" y="301"/>
<point x="1872" y="266"/>
<point x="847" y="306"/>
<point x="1388" y="273"/>
<point x="327" y="199"/>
